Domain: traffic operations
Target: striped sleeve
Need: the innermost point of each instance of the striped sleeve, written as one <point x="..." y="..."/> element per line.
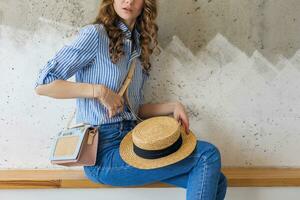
<point x="72" y="57"/>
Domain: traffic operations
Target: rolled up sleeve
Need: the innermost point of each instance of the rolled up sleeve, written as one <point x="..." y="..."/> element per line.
<point x="72" y="57"/>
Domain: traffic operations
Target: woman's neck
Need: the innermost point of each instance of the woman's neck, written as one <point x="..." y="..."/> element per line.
<point x="130" y="24"/>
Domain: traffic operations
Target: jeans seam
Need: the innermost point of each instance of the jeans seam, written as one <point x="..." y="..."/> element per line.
<point x="203" y="177"/>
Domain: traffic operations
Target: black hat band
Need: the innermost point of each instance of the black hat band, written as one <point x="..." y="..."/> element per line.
<point x="152" y="154"/>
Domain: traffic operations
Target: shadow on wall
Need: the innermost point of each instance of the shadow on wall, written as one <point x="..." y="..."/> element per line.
<point x="249" y="25"/>
<point x="26" y="14"/>
<point x="271" y="27"/>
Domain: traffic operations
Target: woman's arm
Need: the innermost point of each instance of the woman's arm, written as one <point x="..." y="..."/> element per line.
<point x="61" y="89"/>
<point x="156" y="109"/>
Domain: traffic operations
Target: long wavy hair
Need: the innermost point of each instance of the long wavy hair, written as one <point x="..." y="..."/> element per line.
<point x="145" y="23"/>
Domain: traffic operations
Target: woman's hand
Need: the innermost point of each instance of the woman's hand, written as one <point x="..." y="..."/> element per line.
<point x="181" y="115"/>
<point x="111" y="100"/>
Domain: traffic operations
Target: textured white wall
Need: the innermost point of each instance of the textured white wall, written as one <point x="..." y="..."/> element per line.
<point x="241" y="94"/>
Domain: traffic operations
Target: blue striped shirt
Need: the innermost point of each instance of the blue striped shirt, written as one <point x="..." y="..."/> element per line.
<point x="87" y="56"/>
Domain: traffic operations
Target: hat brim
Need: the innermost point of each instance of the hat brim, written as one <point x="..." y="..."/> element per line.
<point x="128" y="155"/>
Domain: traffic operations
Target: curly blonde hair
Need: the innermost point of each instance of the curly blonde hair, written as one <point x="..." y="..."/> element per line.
<point x="145" y="23"/>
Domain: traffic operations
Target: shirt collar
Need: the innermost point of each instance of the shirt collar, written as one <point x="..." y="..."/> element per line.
<point x="128" y="34"/>
<point x="126" y="30"/>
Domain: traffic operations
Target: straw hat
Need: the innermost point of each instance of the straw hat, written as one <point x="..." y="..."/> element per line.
<point x="156" y="142"/>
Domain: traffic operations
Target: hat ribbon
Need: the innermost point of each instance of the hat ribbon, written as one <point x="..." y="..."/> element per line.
<point x="152" y="154"/>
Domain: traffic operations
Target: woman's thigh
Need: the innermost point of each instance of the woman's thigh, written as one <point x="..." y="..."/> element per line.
<point x="114" y="171"/>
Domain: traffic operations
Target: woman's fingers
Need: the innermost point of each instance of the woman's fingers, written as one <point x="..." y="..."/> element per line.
<point x="185" y="124"/>
<point x="110" y="112"/>
<point x="122" y="100"/>
<point x="115" y="109"/>
<point x="113" y="102"/>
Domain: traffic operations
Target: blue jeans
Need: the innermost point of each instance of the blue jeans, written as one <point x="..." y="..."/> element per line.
<point x="200" y="172"/>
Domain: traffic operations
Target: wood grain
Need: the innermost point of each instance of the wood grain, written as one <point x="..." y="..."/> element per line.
<point x="237" y="177"/>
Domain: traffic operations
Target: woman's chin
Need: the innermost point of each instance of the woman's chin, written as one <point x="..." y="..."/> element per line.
<point x="126" y="17"/>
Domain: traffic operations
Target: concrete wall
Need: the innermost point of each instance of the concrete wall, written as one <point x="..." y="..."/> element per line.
<point x="234" y="64"/>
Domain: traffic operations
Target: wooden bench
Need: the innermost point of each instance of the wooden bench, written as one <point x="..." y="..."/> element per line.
<point x="237" y="177"/>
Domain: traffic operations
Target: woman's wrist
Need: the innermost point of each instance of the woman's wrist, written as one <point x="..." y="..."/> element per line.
<point x="99" y="91"/>
<point x="174" y="105"/>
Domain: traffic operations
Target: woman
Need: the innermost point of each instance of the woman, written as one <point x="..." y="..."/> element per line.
<point x="125" y="31"/>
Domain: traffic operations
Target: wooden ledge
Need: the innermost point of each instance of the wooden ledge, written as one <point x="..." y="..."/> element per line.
<point x="237" y="177"/>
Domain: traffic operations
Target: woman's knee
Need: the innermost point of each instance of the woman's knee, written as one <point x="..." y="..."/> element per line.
<point x="207" y="151"/>
<point x="90" y="173"/>
<point x="223" y="185"/>
<point x="223" y="180"/>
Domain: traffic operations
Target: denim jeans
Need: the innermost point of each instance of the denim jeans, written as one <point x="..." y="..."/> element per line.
<point x="199" y="173"/>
